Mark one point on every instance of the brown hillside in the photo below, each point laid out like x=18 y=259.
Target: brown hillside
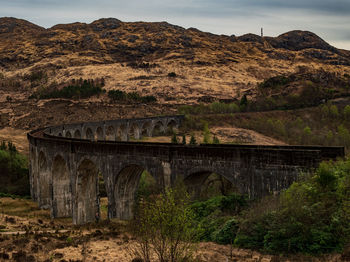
x=138 y=56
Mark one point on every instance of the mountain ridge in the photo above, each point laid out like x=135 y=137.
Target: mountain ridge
x=109 y=40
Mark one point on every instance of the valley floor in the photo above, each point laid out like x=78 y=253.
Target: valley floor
x=28 y=234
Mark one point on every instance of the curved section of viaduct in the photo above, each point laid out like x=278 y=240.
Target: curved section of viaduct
x=66 y=163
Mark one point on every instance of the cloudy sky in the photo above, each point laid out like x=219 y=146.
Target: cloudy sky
x=330 y=19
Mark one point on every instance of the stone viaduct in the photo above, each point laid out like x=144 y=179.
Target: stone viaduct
x=66 y=163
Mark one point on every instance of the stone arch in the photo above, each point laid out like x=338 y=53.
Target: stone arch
x=99 y=133
x=172 y=126
x=146 y=129
x=125 y=188
x=134 y=131
x=87 y=201
x=68 y=134
x=198 y=181
x=110 y=133
x=77 y=134
x=89 y=134
x=61 y=188
x=158 y=129
x=44 y=182
x=121 y=134
x=60 y=134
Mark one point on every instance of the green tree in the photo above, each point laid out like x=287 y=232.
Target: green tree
x=206 y=134
x=329 y=137
x=193 y=140
x=346 y=112
x=343 y=136
x=183 y=140
x=243 y=103
x=312 y=216
x=166 y=225
x=174 y=138
x=333 y=111
x=216 y=140
x=306 y=135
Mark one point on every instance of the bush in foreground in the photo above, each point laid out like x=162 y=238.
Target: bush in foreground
x=313 y=216
x=165 y=225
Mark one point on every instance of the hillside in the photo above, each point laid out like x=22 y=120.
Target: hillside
x=138 y=56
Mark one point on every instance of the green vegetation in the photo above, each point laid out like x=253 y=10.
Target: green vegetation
x=213 y=108
x=216 y=140
x=183 y=140
x=117 y=95
x=147 y=186
x=174 y=138
x=14 y=174
x=312 y=216
x=193 y=140
x=165 y=224
x=216 y=217
x=206 y=134
x=326 y=125
x=77 y=89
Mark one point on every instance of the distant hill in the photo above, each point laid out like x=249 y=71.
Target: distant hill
x=138 y=56
x=111 y=40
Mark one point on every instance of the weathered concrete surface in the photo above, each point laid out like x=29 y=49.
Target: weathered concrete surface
x=64 y=171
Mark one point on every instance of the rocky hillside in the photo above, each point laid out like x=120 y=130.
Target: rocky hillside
x=139 y=56
x=111 y=40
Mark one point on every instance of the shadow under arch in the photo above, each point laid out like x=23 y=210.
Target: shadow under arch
x=44 y=182
x=205 y=183
x=146 y=129
x=134 y=131
x=99 y=133
x=68 y=134
x=121 y=134
x=158 y=129
x=86 y=191
x=61 y=189
x=110 y=133
x=77 y=134
x=125 y=189
x=171 y=127
x=89 y=134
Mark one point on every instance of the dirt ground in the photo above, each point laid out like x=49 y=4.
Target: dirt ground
x=28 y=234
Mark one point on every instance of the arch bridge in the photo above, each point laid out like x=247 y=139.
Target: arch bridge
x=67 y=161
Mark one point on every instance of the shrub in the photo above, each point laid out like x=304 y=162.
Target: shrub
x=206 y=134
x=14 y=174
x=214 y=215
x=346 y=112
x=333 y=111
x=227 y=233
x=117 y=95
x=166 y=225
x=193 y=140
x=172 y=74
x=82 y=89
x=313 y=215
x=174 y=138
x=183 y=140
x=216 y=140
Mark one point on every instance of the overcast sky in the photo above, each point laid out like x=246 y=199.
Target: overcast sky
x=330 y=19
